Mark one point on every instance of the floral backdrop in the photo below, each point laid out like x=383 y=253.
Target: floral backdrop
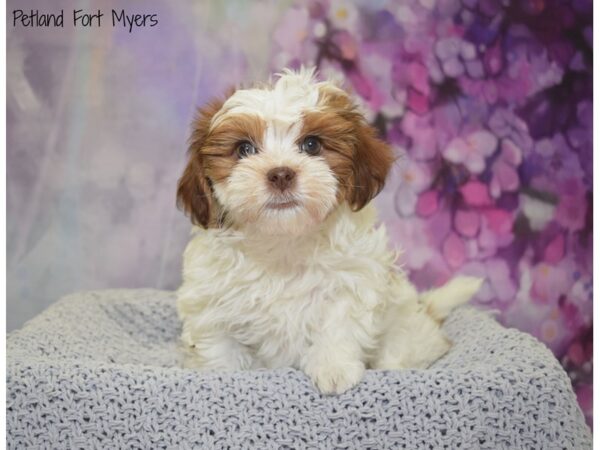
x=488 y=104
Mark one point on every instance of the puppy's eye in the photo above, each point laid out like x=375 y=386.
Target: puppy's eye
x=311 y=145
x=245 y=149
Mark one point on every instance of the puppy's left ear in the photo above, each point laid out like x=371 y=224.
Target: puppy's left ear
x=373 y=159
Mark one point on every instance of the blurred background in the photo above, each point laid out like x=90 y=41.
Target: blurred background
x=488 y=101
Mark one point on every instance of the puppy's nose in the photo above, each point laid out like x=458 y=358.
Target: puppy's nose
x=281 y=177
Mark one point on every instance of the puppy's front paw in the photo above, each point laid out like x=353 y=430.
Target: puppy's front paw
x=335 y=379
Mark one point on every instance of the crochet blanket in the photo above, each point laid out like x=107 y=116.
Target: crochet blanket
x=100 y=370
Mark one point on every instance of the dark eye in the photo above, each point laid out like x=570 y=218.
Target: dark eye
x=245 y=149
x=311 y=145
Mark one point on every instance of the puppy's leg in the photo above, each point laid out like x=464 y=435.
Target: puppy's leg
x=335 y=361
x=413 y=340
x=413 y=337
x=218 y=351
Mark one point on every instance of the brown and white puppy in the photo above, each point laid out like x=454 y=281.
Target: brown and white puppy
x=286 y=266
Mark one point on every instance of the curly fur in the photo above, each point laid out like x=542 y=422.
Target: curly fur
x=314 y=285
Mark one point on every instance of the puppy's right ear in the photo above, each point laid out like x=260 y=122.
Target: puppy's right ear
x=194 y=191
x=194 y=195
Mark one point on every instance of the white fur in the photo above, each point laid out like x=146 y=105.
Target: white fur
x=292 y=94
x=245 y=193
x=312 y=287
x=330 y=303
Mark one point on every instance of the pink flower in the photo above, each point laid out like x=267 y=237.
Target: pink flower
x=413 y=179
x=454 y=251
x=506 y=125
x=346 y=44
x=500 y=280
x=472 y=150
x=493 y=60
x=549 y=283
x=572 y=205
x=449 y=50
x=421 y=241
x=417 y=77
x=498 y=220
x=467 y=223
x=484 y=230
x=371 y=85
x=504 y=169
x=555 y=250
x=498 y=284
x=495 y=232
x=521 y=80
x=434 y=272
x=410 y=235
x=386 y=97
x=413 y=76
x=422 y=133
x=427 y=204
x=417 y=101
x=555 y=161
x=475 y=193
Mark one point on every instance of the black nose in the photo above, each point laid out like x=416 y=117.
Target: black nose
x=281 y=177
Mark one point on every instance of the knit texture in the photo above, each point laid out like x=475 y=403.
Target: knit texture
x=100 y=370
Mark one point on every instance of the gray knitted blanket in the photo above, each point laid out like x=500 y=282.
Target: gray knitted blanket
x=99 y=370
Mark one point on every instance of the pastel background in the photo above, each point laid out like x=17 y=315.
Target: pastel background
x=489 y=103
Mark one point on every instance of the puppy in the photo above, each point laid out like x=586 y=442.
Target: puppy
x=286 y=267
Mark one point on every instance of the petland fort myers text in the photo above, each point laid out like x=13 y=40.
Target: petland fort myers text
x=81 y=18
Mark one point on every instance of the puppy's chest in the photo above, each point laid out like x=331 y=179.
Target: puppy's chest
x=278 y=306
x=286 y=292
x=279 y=312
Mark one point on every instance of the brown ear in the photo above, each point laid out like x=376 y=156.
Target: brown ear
x=194 y=196
x=373 y=159
x=194 y=193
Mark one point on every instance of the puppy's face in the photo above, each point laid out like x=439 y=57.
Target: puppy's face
x=279 y=159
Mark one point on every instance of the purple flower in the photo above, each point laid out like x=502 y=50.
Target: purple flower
x=467 y=222
x=549 y=283
x=504 y=169
x=448 y=50
x=572 y=206
x=413 y=178
x=498 y=284
x=554 y=161
x=475 y=193
x=505 y=124
x=420 y=130
x=472 y=150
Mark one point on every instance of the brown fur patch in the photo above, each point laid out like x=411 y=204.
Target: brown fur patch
x=338 y=142
x=219 y=149
x=359 y=159
x=372 y=162
x=211 y=157
x=194 y=194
